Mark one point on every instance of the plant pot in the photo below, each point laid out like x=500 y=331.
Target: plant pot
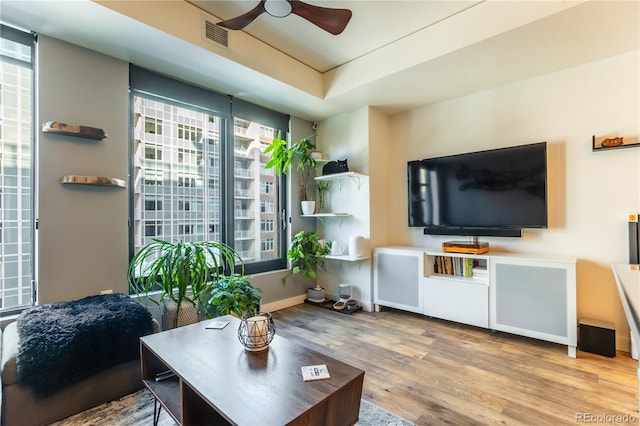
x=188 y=314
x=308 y=207
x=315 y=294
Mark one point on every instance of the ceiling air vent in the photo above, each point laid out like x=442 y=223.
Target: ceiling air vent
x=216 y=34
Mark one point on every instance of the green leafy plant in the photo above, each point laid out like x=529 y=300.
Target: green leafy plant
x=282 y=158
x=307 y=251
x=234 y=294
x=323 y=187
x=181 y=271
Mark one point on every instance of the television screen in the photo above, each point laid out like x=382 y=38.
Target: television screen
x=480 y=193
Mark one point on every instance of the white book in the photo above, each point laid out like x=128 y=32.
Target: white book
x=315 y=372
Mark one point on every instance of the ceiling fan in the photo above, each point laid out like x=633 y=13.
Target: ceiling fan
x=331 y=20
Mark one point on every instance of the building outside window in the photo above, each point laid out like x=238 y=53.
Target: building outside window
x=17 y=183
x=266 y=225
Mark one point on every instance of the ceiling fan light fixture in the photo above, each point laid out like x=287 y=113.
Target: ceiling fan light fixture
x=331 y=20
x=278 y=8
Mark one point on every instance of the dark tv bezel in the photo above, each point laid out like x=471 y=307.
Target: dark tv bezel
x=488 y=231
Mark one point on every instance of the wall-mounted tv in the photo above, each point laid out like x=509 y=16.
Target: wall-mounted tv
x=494 y=192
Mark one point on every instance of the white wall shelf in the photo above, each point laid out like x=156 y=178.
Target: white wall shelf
x=322 y=216
x=338 y=177
x=346 y=258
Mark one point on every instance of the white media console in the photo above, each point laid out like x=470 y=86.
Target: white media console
x=528 y=296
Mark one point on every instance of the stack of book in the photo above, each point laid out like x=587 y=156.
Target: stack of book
x=480 y=273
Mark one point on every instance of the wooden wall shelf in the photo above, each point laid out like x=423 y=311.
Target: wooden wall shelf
x=73 y=130
x=601 y=143
x=93 y=180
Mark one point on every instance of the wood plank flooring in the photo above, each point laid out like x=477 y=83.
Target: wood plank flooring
x=435 y=372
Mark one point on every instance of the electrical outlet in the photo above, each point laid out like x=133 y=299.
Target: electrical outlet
x=110 y=291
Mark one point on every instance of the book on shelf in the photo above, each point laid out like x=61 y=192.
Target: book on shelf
x=456 y=266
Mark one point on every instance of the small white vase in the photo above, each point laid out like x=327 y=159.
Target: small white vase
x=308 y=207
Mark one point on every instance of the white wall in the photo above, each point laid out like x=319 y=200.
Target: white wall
x=82 y=237
x=361 y=137
x=590 y=193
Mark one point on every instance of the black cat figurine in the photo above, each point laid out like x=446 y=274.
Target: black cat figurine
x=339 y=166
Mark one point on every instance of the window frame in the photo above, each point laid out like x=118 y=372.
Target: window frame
x=149 y=85
x=28 y=39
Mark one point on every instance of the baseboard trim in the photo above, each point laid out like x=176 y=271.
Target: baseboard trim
x=284 y=303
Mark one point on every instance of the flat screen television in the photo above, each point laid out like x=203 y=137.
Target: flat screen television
x=495 y=192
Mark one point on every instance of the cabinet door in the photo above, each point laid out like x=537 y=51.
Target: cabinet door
x=396 y=279
x=457 y=300
x=534 y=298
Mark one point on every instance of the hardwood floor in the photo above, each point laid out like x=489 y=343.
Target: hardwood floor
x=435 y=372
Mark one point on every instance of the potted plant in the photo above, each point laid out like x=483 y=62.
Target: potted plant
x=300 y=153
x=233 y=294
x=307 y=251
x=183 y=272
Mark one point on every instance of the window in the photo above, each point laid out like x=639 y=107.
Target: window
x=266 y=187
x=190 y=133
x=153 y=126
x=151 y=204
x=17 y=185
x=152 y=152
x=210 y=164
x=266 y=206
x=153 y=177
x=152 y=229
x=266 y=244
x=266 y=225
x=265 y=171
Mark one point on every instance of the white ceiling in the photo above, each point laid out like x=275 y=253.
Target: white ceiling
x=393 y=55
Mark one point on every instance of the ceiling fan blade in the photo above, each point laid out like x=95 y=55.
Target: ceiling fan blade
x=329 y=19
x=239 y=22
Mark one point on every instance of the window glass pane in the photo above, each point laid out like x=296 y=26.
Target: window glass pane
x=16 y=138
x=255 y=193
x=175 y=194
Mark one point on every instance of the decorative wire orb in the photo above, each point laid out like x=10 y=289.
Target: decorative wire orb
x=256 y=331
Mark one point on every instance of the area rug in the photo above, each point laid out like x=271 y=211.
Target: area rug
x=137 y=410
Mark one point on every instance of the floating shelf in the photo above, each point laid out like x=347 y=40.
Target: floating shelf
x=355 y=177
x=73 y=130
x=322 y=216
x=600 y=143
x=345 y=257
x=327 y=215
x=93 y=180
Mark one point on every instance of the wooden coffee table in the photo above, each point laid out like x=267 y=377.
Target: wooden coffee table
x=216 y=381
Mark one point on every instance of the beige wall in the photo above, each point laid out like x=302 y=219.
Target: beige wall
x=83 y=240
x=82 y=236
x=590 y=193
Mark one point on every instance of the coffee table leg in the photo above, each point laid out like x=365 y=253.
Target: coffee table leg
x=156 y=412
